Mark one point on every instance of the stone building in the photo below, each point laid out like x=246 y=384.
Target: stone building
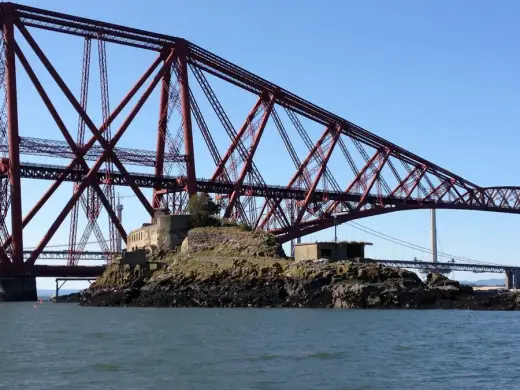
x=333 y=251
x=165 y=233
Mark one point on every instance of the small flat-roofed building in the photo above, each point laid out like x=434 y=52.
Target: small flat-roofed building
x=333 y=251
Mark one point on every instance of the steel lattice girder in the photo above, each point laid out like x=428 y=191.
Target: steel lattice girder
x=91 y=179
x=177 y=184
x=213 y=64
x=64 y=255
x=487 y=199
x=60 y=149
x=452 y=192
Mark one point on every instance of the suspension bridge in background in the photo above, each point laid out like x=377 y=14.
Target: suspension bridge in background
x=340 y=171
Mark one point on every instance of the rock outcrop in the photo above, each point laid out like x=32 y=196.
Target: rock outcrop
x=229 y=267
x=68 y=298
x=247 y=283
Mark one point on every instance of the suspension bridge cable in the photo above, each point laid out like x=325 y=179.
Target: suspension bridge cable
x=416 y=247
x=411 y=245
x=392 y=240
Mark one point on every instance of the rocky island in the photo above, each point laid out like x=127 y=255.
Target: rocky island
x=232 y=267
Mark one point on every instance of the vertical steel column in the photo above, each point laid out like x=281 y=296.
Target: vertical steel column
x=13 y=136
x=119 y=241
x=182 y=60
x=161 y=134
x=434 y=235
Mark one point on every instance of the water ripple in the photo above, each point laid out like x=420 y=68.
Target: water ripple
x=64 y=346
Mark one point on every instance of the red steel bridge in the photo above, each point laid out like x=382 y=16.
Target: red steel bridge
x=313 y=169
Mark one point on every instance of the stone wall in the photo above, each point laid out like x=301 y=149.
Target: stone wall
x=164 y=235
x=232 y=241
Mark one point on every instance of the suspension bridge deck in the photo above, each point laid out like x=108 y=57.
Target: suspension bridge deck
x=477 y=268
x=88 y=271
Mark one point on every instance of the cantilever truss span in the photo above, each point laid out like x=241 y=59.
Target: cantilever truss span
x=272 y=159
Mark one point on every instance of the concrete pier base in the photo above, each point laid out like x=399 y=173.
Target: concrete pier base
x=512 y=280
x=18 y=289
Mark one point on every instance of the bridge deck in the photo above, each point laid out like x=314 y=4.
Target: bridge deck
x=452 y=266
x=64 y=255
x=177 y=184
x=64 y=271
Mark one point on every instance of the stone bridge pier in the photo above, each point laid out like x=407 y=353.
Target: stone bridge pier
x=18 y=289
x=17 y=286
x=512 y=279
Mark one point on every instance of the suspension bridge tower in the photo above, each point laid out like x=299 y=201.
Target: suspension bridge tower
x=433 y=220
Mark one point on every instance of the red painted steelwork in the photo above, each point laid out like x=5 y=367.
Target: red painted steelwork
x=97 y=134
x=247 y=164
x=238 y=136
x=161 y=134
x=80 y=140
x=93 y=171
x=498 y=199
x=12 y=133
x=393 y=179
x=312 y=188
x=88 y=146
x=299 y=173
x=62 y=128
x=182 y=58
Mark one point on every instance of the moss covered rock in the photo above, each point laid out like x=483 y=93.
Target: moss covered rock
x=231 y=241
x=229 y=267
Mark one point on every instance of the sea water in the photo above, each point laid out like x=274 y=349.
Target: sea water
x=65 y=346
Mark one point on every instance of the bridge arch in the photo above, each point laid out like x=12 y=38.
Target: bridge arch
x=491 y=199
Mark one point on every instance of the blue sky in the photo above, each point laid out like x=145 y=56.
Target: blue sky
x=438 y=78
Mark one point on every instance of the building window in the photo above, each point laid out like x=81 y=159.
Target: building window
x=324 y=252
